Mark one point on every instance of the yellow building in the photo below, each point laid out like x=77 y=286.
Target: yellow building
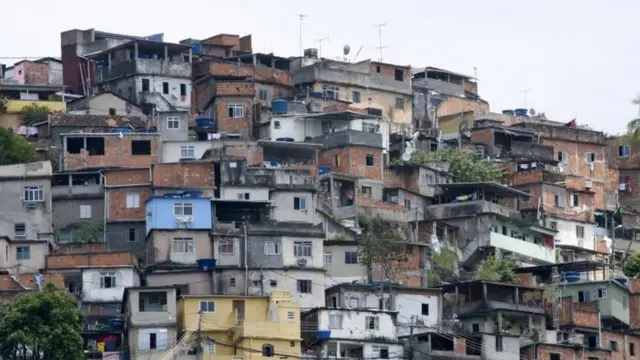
x=11 y=110
x=242 y=327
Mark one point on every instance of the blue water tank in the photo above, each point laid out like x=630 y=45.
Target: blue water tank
x=323 y=335
x=116 y=324
x=317 y=94
x=122 y=130
x=572 y=276
x=196 y=48
x=508 y=112
x=279 y=106
x=324 y=170
x=206 y=264
x=521 y=112
x=204 y=123
x=285 y=139
x=622 y=281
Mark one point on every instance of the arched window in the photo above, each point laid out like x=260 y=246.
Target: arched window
x=267 y=350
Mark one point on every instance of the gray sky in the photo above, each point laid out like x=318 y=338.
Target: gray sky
x=578 y=58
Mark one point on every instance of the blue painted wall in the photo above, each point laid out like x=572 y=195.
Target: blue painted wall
x=160 y=211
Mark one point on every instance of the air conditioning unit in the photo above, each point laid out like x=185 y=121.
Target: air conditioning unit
x=622 y=187
x=576 y=339
x=588 y=183
x=32 y=205
x=302 y=262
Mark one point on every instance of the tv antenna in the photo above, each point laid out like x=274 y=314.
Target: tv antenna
x=524 y=93
x=320 y=41
x=380 y=47
x=302 y=17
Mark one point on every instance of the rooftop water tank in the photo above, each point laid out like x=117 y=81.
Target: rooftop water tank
x=317 y=94
x=521 y=112
x=116 y=324
x=324 y=170
x=204 y=123
x=508 y=112
x=124 y=130
x=323 y=335
x=206 y=264
x=572 y=276
x=285 y=139
x=622 y=281
x=279 y=106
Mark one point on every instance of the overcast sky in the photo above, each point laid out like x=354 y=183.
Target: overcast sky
x=577 y=58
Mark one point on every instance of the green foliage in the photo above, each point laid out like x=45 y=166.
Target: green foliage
x=444 y=266
x=498 y=270
x=41 y=325
x=384 y=244
x=631 y=267
x=463 y=166
x=84 y=234
x=53 y=155
x=33 y=114
x=15 y=149
x=339 y=237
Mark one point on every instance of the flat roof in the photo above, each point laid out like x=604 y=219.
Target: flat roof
x=341 y=115
x=493 y=187
x=476 y=282
x=579 y=266
x=287 y=144
x=148 y=44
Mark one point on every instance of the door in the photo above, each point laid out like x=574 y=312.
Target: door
x=238 y=307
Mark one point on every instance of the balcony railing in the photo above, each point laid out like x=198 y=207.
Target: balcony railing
x=525 y=150
x=523 y=248
x=266 y=329
x=142 y=66
x=69 y=191
x=468 y=209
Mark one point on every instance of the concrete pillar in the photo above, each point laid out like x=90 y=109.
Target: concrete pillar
x=166 y=53
x=135 y=51
x=109 y=59
x=190 y=56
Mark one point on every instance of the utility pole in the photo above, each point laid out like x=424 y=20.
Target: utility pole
x=380 y=47
x=320 y=41
x=524 y=93
x=301 y=16
x=199 y=335
x=411 y=340
x=261 y=282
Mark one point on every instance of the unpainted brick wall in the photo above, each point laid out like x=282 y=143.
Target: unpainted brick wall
x=117 y=152
x=353 y=161
x=183 y=175
x=455 y=105
x=229 y=124
x=85 y=260
x=66 y=249
x=117 y=204
x=577 y=163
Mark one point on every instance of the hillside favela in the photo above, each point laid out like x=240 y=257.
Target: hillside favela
x=206 y=200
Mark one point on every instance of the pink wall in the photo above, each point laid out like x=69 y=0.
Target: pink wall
x=19 y=73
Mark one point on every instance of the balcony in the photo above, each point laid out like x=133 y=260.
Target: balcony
x=293 y=179
x=353 y=74
x=525 y=150
x=152 y=318
x=266 y=329
x=476 y=307
x=142 y=67
x=469 y=209
x=524 y=248
x=61 y=192
x=535 y=176
x=348 y=137
x=16 y=106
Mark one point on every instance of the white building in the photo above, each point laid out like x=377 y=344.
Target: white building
x=414 y=305
x=351 y=333
x=108 y=284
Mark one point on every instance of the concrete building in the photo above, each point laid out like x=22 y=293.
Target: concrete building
x=26 y=216
x=258 y=326
x=45 y=71
x=106 y=104
x=352 y=333
x=150 y=321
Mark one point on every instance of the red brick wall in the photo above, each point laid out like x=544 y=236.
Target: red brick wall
x=128 y=177
x=183 y=175
x=567 y=212
x=117 y=204
x=84 y=260
x=389 y=71
x=353 y=161
x=566 y=353
x=482 y=136
x=233 y=125
x=577 y=163
x=117 y=152
x=234 y=88
x=36 y=73
x=259 y=73
x=455 y=105
x=66 y=249
x=460 y=345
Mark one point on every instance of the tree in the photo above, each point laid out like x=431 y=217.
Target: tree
x=41 y=325
x=33 y=114
x=15 y=149
x=444 y=266
x=464 y=166
x=631 y=267
x=384 y=244
x=498 y=270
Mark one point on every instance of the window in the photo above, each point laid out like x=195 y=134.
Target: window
x=263 y=94
x=336 y=160
x=187 y=152
x=370 y=160
x=291 y=315
x=107 y=280
x=558 y=200
x=331 y=92
x=232 y=282
x=475 y=327
x=272 y=248
x=236 y=111
x=145 y=85
x=351 y=257
x=602 y=293
x=183 y=245
x=575 y=200
x=366 y=191
x=226 y=247
x=183 y=91
x=624 y=151
x=614 y=345
x=152 y=339
x=19 y=230
x=554 y=356
x=140 y=147
x=173 y=122
x=33 y=194
x=112 y=111
x=355 y=97
x=133 y=201
x=580 y=231
x=553 y=225
x=563 y=157
x=132 y=235
x=399 y=75
x=328 y=258
x=370 y=127
x=399 y=103
x=273 y=283
x=23 y=253
x=583 y=296
x=381 y=352
x=276 y=124
x=632 y=349
x=428 y=179
x=300 y=203
x=267 y=350
x=372 y=323
x=244 y=196
x=165 y=87
x=85 y=211
x=425 y=309
x=590 y=156
x=183 y=209
x=407 y=203
x=302 y=248
x=499 y=346
x=209 y=347
x=304 y=286
x=378 y=69
x=207 y=306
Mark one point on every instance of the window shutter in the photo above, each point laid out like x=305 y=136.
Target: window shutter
x=143 y=339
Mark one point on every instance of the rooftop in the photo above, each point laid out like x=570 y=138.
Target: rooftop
x=341 y=115
x=484 y=187
x=579 y=266
x=60 y=119
x=147 y=44
x=449 y=287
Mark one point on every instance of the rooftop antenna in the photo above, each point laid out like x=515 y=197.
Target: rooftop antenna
x=320 y=41
x=301 y=16
x=524 y=93
x=380 y=47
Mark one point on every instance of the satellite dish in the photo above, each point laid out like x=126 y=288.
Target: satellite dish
x=532 y=112
x=346 y=49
